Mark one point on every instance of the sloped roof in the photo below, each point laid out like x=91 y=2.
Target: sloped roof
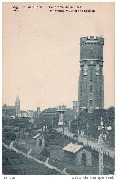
x=38 y=135
x=72 y=147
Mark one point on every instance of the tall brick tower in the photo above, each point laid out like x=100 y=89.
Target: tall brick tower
x=91 y=80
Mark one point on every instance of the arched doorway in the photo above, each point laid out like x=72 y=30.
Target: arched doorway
x=84 y=159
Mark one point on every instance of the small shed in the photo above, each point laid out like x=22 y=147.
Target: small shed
x=77 y=154
x=39 y=140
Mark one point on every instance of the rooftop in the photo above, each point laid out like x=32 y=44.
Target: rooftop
x=38 y=135
x=72 y=147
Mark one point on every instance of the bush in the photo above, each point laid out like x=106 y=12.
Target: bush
x=45 y=153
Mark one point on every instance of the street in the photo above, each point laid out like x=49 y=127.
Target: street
x=87 y=141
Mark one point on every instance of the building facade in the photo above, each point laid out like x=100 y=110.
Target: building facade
x=8 y=111
x=91 y=80
x=75 y=106
x=30 y=113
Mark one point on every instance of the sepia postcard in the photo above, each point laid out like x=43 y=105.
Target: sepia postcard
x=58 y=89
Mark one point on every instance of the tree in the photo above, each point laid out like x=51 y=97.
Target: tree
x=89 y=122
x=9 y=135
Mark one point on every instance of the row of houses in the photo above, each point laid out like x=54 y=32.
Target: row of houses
x=9 y=112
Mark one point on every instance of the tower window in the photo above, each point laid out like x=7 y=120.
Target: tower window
x=91 y=103
x=85 y=69
x=97 y=69
x=81 y=89
x=91 y=89
x=92 y=53
x=91 y=71
x=81 y=102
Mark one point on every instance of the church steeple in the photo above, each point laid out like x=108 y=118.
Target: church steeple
x=17 y=105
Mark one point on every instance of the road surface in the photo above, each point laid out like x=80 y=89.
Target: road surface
x=87 y=141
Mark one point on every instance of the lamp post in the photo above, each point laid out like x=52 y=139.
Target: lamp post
x=45 y=132
x=77 y=132
x=76 y=119
x=100 y=142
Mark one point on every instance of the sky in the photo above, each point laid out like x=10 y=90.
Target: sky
x=41 y=53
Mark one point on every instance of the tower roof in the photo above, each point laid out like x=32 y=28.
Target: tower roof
x=92 y=39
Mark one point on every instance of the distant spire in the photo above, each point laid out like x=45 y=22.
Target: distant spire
x=17 y=95
x=17 y=104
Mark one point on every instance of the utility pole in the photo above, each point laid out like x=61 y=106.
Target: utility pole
x=63 y=122
x=87 y=127
x=101 y=142
x=45 y=132
x=76 y=117
x=77 y=132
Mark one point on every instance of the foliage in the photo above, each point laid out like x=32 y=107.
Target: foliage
x=45 y=153
x=9 y=135
x=89 y=122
